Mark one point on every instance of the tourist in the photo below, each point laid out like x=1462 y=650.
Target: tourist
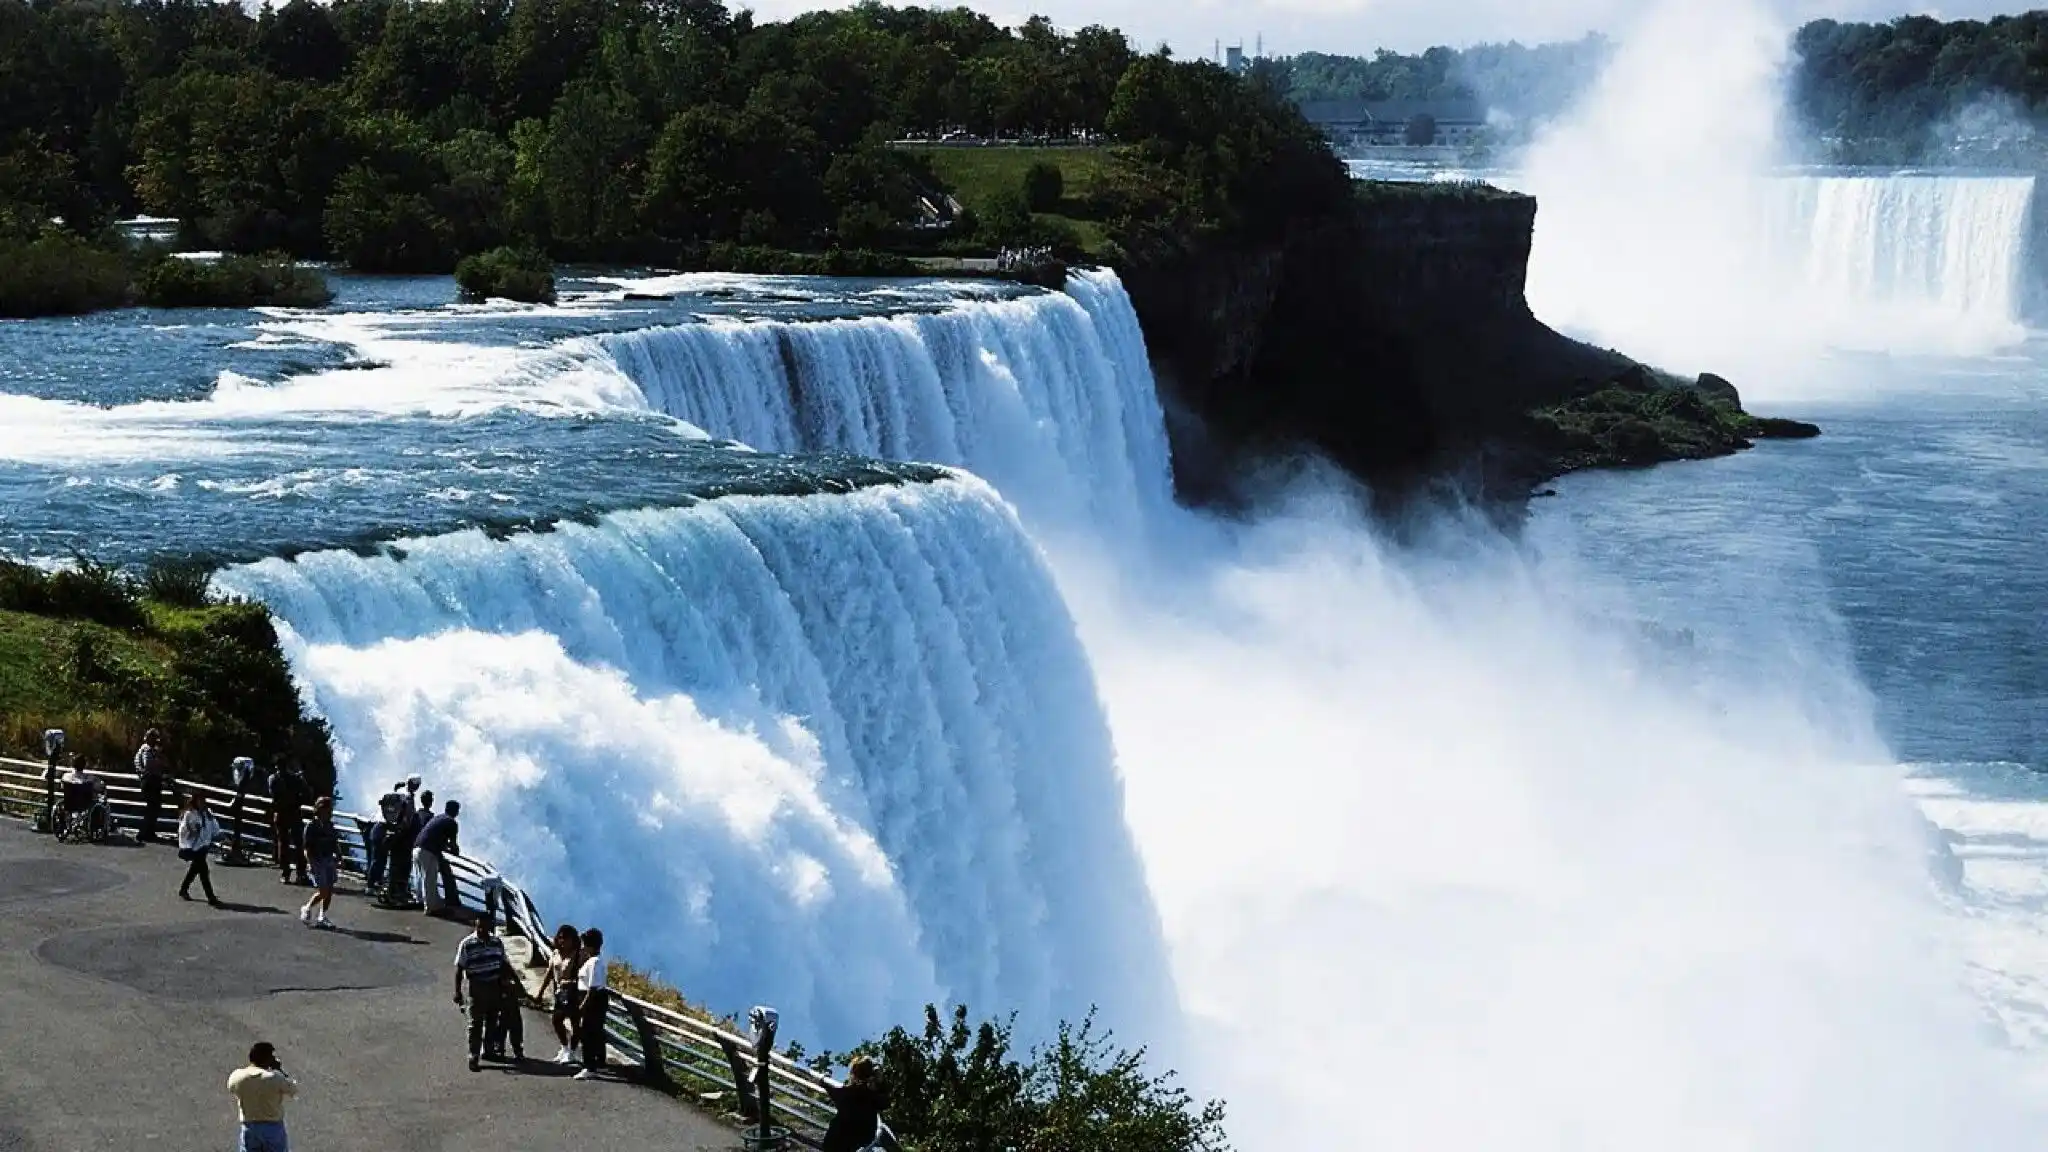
x=197 y=830
x=481 y=959
x=390 y=814
x=438 y=840
x=80 y=793
x=398 y=843
x=259 y=1091
x=561 y=980
x=594 y=1003
x=323 y=857
x=508 y=1022
x=149 y=771
x=53 y=754
x=859 y=1103
x=288 y=796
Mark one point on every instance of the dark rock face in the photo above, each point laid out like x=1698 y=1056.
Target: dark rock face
x=1396 y=340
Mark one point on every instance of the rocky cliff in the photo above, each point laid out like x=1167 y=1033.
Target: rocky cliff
x=1395 y=338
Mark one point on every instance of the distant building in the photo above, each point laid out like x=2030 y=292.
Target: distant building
x=1233 y=59
x=1383 y=123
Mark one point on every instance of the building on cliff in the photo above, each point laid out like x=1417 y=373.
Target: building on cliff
x=1353 y=124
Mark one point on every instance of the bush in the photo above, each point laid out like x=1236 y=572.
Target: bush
x=232 y=282
x=958 y=1089
x=85 y=591
x=180 y=584
x=1045 y=187
x=523 y=274
x=58 y=274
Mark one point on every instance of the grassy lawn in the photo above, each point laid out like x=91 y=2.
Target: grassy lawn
x=977 y=175
x=38 y=689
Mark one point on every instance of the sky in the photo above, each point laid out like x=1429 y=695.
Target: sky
x=1193 y=27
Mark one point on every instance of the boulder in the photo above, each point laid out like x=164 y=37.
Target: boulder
x=1719 y=390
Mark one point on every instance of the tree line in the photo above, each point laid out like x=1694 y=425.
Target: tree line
x=1918 y=89
x=401 y=135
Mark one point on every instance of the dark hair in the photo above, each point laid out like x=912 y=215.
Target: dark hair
x=486 y=923
x=568 y=930
x=262 y=1054
x=453 y=807
x=861 y=1070
x=593 y=940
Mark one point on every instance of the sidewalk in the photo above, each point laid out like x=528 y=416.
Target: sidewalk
x=126 y=1008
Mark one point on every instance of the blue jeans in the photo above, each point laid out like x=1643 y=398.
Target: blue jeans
x=265 y=1137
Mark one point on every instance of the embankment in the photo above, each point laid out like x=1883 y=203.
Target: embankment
x=1395 y=337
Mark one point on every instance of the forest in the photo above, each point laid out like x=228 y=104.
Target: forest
x=403 y=135
x=1918 y=90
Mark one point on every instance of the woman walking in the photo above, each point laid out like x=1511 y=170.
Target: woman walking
x=561 y=979
x=595 y=1004
x=197 y=830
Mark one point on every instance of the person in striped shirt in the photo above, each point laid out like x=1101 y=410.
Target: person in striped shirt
x=481 y=960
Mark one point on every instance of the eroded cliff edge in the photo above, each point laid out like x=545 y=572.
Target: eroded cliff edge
x=1395 y=338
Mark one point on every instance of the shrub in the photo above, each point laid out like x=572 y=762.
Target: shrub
x=523 y=274
x=955 y=1088
x=180 y=584
x=1045 y=187
x=58 y=274
x=85 y=591
x=232 y=282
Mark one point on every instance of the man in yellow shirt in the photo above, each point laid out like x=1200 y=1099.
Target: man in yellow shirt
x=259 y=1091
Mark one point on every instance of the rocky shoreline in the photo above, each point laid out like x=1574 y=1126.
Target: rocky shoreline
x=1395 y=339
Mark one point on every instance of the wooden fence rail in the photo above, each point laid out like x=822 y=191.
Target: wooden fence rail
x=704 y=1059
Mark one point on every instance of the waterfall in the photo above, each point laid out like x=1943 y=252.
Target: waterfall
x=1946 y=246
x=839 y=753
x=1744 y=273
x=1050 y=395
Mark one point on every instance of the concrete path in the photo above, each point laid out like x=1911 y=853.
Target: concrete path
x=123 y=1009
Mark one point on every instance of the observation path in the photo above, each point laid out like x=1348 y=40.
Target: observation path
x=125 y=1008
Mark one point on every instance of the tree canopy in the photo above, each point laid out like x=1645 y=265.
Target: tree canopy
x=1917 y=89
x=401 y=135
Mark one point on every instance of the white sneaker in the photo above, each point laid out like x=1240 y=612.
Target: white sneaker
x=323 y=922
x=586 y=1074
x=562 y=1055
x=306 y=915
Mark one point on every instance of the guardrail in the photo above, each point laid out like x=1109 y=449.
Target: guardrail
x=674 y=1051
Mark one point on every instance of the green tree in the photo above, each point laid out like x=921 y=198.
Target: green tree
x=1045 y=186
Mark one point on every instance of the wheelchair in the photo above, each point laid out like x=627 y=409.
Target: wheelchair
x=80 y=821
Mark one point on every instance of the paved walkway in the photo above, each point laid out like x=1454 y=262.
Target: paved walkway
x=125 y=1008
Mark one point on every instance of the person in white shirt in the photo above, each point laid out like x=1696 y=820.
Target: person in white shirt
x=197 y=830
x=596 y=996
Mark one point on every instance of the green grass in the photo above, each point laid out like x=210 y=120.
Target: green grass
x=38 y=687
x=978 y=175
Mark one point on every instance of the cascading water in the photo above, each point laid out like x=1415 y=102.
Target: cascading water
x=1050 y=396
x=840 y=753
x=1953 y=246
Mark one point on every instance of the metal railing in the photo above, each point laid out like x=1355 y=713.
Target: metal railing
x=673 y=1050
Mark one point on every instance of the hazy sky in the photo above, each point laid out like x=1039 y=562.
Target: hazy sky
x=1357 y=26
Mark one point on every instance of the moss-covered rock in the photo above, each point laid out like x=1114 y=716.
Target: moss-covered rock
x=1644 y=417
